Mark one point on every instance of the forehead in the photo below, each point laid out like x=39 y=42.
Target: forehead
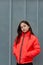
x=22 y=24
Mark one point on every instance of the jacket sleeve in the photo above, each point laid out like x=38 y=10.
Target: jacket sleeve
x=36 y=49
x=14 y=47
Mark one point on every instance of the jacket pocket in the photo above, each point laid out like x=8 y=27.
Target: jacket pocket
x=27 y=58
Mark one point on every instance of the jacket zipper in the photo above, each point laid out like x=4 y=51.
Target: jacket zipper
x=21 y=49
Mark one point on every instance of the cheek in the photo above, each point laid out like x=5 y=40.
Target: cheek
x=27 y=28
x=22 y=29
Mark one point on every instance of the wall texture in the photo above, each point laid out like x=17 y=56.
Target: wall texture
x=11 y=13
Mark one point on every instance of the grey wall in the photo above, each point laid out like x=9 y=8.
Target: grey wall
x=40 y=29
x=11 y=13
x=32 y=11
x=4 y=32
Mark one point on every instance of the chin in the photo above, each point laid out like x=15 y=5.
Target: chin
x=24 y=31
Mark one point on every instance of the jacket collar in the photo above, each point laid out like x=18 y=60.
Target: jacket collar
x=28 y=33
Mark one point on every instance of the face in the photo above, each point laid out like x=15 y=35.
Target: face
x=24 y=27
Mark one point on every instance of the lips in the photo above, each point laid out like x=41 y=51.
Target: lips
x=23 y=29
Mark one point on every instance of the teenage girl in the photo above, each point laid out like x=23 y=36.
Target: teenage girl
x=26 y=45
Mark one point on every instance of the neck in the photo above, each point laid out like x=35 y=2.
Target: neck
x=26 y=33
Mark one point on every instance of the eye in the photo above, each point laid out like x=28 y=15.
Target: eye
x=21 y=26
x=24 y=25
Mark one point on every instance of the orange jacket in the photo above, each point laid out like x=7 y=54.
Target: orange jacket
x=27 y=48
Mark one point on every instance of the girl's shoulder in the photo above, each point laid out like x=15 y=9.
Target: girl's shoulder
x=34 y=37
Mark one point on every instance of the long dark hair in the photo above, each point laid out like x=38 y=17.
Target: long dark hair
x=19 y=31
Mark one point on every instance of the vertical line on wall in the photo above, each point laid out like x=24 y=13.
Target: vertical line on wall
x=25 y=9
x=37 y=17
x=10 y=33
